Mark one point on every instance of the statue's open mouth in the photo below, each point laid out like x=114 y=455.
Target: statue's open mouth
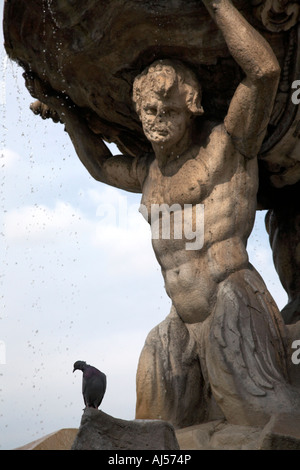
x=162 y=132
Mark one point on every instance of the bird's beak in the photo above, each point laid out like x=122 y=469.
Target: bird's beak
x=74 y=370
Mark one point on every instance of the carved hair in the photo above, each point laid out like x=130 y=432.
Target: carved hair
x=162 y=77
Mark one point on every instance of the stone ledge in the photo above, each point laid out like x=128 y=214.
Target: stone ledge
x=58 y=440
x=281 y=433
x=100 y=431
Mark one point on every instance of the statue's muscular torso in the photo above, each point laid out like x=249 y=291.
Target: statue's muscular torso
x=216 y=175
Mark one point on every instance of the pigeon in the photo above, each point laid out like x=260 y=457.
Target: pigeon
x=93 y=384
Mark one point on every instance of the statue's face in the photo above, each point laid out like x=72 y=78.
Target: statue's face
x=165 y=121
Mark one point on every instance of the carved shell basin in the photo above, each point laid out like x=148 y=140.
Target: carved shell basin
x=91 y=51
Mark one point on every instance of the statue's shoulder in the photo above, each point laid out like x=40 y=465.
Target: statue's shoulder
x=142 y=166
x=212 y=131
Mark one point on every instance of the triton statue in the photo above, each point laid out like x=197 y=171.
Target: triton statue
x=221 y=352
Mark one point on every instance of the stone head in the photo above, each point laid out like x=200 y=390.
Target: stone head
x=166 y=95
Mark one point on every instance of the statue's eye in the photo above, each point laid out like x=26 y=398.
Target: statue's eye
x=171 y=111
x=150 y=110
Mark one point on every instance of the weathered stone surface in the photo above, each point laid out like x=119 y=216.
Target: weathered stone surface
x=100 y=431
x=283 y=226
x=59 y=440
x=218 y=435
x=92 y=54
x=292 y=341
x=171 y=354
x=281 y=433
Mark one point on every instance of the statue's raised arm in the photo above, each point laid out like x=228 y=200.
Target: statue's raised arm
x=252 y=103
x=120 y=171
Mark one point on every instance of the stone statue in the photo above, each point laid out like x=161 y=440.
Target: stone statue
x=221 y=352
x=221 y=298
x=224 y=353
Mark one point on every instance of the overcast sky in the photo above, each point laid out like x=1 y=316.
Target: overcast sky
x=79 y=280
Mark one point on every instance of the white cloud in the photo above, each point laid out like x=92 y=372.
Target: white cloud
x=40 y=222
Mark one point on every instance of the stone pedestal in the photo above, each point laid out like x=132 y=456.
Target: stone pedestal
x=99 y=431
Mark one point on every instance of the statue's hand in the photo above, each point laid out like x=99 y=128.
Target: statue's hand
x=44 y=111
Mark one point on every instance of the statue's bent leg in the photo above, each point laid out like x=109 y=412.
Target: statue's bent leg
x=245 y=352
x=170 y=385
x=283 y=226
